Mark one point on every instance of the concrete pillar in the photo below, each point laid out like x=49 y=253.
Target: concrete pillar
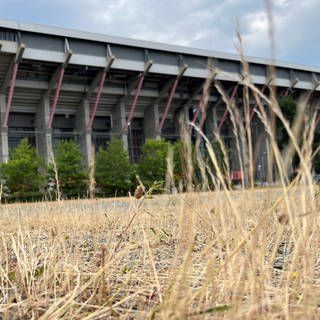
x=4 y=147
x=181 y=118
x=84 y=134
x=151 y=122
x=244 y=152
x=186 y=116
x=118 y=123
x=234 y=154
x=260 y=151
x=44 y=135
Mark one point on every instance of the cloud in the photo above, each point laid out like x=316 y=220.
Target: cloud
x=296 y=38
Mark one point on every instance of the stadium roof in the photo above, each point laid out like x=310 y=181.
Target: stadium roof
x=97 y=37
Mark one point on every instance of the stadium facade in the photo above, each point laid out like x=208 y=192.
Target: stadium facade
x=66 y=84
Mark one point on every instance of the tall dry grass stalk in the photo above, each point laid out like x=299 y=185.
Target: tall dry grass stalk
x=56 y=177
x=92 y=167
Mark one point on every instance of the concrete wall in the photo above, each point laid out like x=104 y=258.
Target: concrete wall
x=4 y=149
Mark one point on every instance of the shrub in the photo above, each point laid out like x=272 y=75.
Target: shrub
x=181 y=164
x=114 y=174
x=216 y=147
x=152 y=165
x=22 y=173
x=73 y=175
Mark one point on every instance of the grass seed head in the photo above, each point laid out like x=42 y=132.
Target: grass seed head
x=283 y=218
x=139 y=192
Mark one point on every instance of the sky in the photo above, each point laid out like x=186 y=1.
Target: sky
x=204 y=24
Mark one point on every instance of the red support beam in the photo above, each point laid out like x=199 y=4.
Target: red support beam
x=234 y=91
x=166 y=109
x=195 y=116
x=12 y=85
x=134 y=102
x=287 y=92
x=97 y=100
x=256 y=104
x=56 y=97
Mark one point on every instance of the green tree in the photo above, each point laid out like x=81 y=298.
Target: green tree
x=114 y=173
x=22 y=172
x=288 y=106
x=73 y=175
x=152 y=165
x=180 y=164
x=216 y=147
x=316 y=142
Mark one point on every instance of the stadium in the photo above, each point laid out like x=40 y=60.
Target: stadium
x=66 y=84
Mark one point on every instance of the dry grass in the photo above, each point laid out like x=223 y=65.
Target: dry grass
x=185 y=256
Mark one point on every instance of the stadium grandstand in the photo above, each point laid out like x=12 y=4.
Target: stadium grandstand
x=66 y=84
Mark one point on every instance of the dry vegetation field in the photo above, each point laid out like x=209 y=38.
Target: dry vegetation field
x=222 y=255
